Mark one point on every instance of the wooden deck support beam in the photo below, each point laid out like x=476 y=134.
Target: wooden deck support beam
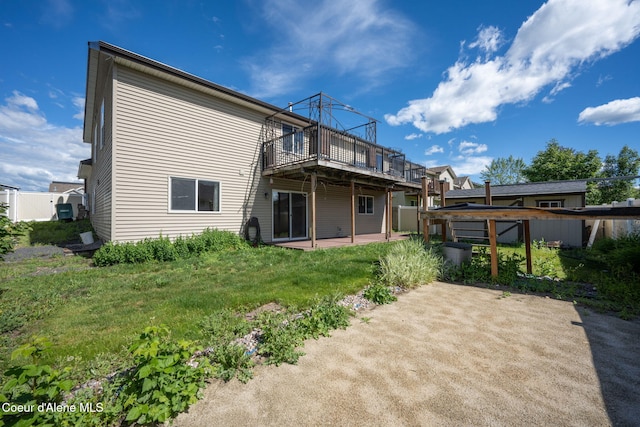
x=314 y=183
x=353 y=211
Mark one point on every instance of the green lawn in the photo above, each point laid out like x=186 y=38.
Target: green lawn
x=87 y=311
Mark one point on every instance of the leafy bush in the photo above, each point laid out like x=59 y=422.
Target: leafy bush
x=31 y=385
x=9 y=232
x=478 y=270
x=324 y=316
x=278 y=340
x=222 y=327
x=379 y=294
x=409 y=264
x=231 y=360
x=162 y=249
x=165 y=379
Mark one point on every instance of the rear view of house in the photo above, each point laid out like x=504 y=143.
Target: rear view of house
x=173 y=154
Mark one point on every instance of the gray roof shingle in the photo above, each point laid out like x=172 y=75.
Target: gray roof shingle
x=528 y=189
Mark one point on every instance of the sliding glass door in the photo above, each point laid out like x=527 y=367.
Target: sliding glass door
x=289 y=215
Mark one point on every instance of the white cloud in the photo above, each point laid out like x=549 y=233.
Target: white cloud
x=329 y=37
x=612 y=113
x=549 y=46
x=464 y=166
x=489 y=39
x=433 y=150
x=34 y=151
x=469 y=148
x=413 y=136
x=78 y=102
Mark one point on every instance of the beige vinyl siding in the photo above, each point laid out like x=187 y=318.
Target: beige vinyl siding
x=165 y=130
x=101 y=169
x=333 y=208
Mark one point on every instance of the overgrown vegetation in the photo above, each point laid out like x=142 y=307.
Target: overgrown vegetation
x=162 y=249
x=213 y=281
x=605 y=277
x=408 y=264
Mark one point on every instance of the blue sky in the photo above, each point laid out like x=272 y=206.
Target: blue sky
x=451 y=82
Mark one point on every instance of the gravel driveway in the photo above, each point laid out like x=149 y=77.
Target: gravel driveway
x=447 y=355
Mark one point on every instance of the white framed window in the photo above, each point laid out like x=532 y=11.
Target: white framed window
x=292 y=139
x=549 y=203
x=365 y=205
x=193 y=195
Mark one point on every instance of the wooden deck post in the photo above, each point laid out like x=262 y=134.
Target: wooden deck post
x=443 y=203
x=487 y=193
x=353 y=211
x=494 y=248
x=314 y=182
x=425 y=207
x=527 y=245
x=389 y=213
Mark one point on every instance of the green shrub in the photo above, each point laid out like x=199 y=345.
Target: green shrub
x=478 y=270
x=9 y=232
x=222 y=327
x=409 y=264
x=279 y=341
x=231 y=360
x=324 y=316
x=379 y=294
x=165 y=380
x=32 y=384
x=162 y=249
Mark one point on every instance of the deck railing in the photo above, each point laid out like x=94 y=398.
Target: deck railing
x=317 y=142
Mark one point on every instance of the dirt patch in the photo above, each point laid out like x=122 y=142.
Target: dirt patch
x=448 y=354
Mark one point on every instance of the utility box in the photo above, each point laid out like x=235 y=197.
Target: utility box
x=457 y=253
x=64 y=211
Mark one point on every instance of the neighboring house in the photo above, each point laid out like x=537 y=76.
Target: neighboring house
x=463 y=183
x=66 y=187
x=552 y=194
x=173 y=154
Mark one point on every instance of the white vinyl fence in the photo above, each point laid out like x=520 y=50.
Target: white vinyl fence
x=36 y=206
x=614 y=228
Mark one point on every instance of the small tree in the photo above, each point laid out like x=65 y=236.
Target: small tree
x=504 y=170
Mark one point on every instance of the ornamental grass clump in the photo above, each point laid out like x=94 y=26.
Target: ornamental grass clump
x=409 y=264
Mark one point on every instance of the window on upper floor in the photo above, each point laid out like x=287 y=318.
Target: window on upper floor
x=194 y=195
x=292 y=139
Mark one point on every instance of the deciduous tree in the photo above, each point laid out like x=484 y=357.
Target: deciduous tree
x=626 y=164
x=504 y=170
x=558 y=163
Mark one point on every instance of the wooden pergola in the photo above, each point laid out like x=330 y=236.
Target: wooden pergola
x=491 y=214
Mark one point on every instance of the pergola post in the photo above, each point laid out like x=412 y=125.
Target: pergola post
x=487 y=193
x=443 y=203
x=425 y=207
x=494 y=248
x=527 y=245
